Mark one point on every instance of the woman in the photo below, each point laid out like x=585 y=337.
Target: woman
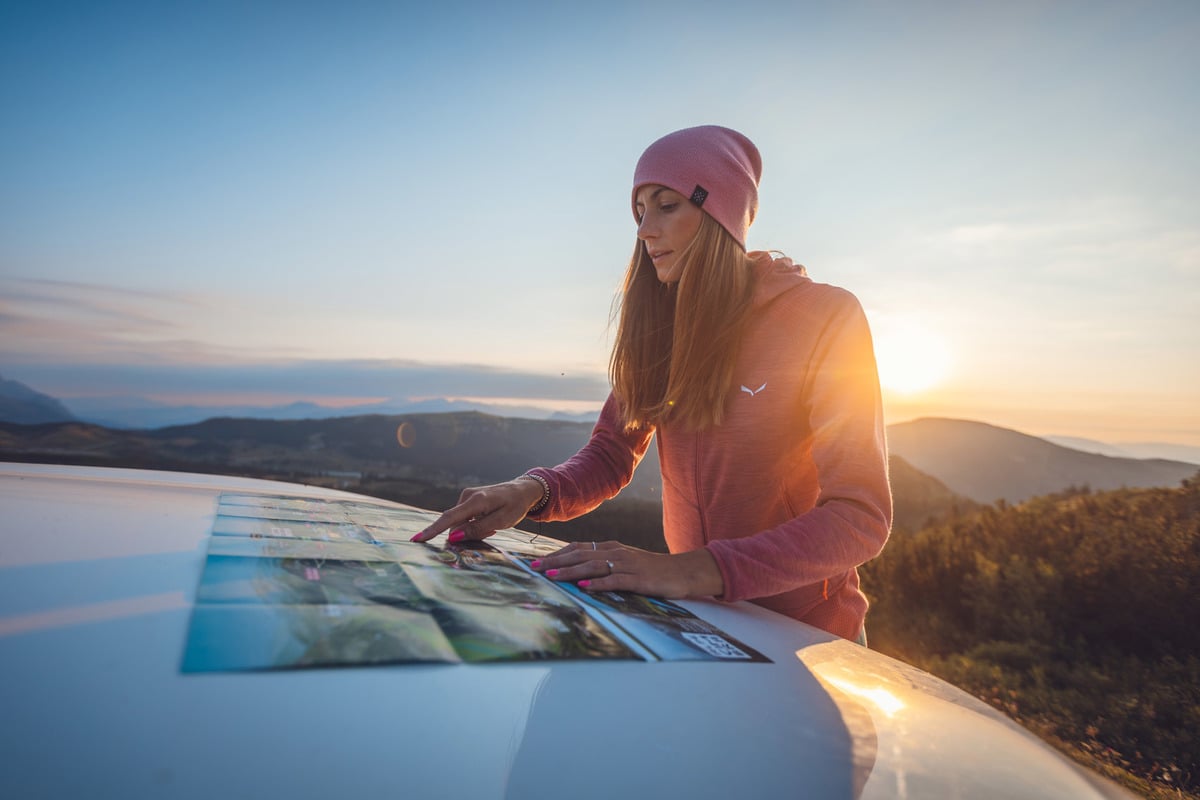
x=761 y=388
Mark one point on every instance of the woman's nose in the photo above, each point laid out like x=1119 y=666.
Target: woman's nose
x=646 y=230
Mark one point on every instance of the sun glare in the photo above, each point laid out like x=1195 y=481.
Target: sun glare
x=911 y=357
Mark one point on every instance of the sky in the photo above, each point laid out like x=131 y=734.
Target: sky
x=257 y=202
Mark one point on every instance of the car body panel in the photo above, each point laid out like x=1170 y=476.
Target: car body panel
x=99 y=570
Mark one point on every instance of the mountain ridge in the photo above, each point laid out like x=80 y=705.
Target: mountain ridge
x=1144 y=450
x=21 y=404
x=422 y=459
x=975 y=460
x=988 y=463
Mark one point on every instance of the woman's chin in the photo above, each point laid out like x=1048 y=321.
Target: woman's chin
x=667 y=273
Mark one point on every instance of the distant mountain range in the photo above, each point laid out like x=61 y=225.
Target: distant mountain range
x=1172 y=452
x=421 y=458
x=20 y=403
x=980 y=462
x=461 y=448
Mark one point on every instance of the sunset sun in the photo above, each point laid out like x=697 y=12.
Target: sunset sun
x=911 y=357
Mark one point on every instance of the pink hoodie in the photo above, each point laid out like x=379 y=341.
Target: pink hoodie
x=790 y=493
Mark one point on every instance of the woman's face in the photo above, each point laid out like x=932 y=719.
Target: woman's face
x=668 y=223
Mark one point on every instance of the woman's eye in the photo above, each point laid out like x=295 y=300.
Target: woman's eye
x=667 y=208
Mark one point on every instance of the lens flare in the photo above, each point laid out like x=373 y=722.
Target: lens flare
x=406 y=434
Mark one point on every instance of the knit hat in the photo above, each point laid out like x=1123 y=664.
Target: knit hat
x=718 y=169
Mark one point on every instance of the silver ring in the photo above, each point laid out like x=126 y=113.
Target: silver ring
x=593 y=545
x=610 y=567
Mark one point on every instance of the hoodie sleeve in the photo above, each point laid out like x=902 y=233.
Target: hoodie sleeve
x=601 y=469
x=851 y=518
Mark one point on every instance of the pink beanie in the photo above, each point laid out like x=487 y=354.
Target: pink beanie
x=717 y=168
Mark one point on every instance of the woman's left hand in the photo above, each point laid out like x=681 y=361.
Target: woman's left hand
x=612 y=566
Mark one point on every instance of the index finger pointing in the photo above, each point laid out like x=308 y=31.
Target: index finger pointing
x=450 y=518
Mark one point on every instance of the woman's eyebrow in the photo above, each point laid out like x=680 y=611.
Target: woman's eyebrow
x=653 y=195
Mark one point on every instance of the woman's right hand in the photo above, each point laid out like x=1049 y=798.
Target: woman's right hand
x=483 y=510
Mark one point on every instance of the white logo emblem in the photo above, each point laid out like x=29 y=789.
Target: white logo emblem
x=753 y=392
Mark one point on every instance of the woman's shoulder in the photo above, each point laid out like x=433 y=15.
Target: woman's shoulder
x=784 y=283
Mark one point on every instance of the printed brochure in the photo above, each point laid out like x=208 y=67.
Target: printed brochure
x=294 y=582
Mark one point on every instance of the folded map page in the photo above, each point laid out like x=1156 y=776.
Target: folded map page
x=295 y=582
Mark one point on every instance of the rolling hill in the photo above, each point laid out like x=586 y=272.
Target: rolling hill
x=937 y=464
x=987 y=463
x=464 y=448
x=440 y=454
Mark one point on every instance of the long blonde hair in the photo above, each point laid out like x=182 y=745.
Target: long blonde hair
x=677 y=343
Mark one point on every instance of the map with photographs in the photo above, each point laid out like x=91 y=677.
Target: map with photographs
x=296 y=582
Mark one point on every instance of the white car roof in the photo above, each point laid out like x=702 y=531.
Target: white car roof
x=99 y=570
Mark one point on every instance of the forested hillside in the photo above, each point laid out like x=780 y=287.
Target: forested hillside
x=1075 y=613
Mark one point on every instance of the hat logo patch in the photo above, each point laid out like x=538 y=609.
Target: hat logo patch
x=699 y=195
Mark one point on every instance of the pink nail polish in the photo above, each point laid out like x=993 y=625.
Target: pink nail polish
x=583 y=584
x=456 y=536
x=537 y=562
x=550 y=573
x=417 y=536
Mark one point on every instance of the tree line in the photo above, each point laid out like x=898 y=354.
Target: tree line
x=1074 y=613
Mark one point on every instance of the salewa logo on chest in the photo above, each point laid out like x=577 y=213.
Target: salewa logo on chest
x=753 y=392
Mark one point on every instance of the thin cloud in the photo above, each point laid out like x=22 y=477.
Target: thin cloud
x=65 y=323
x=1115 y=236
x=125 y=307
x=314 y=381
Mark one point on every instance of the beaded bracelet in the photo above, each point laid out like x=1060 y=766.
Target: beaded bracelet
x=545 y=492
